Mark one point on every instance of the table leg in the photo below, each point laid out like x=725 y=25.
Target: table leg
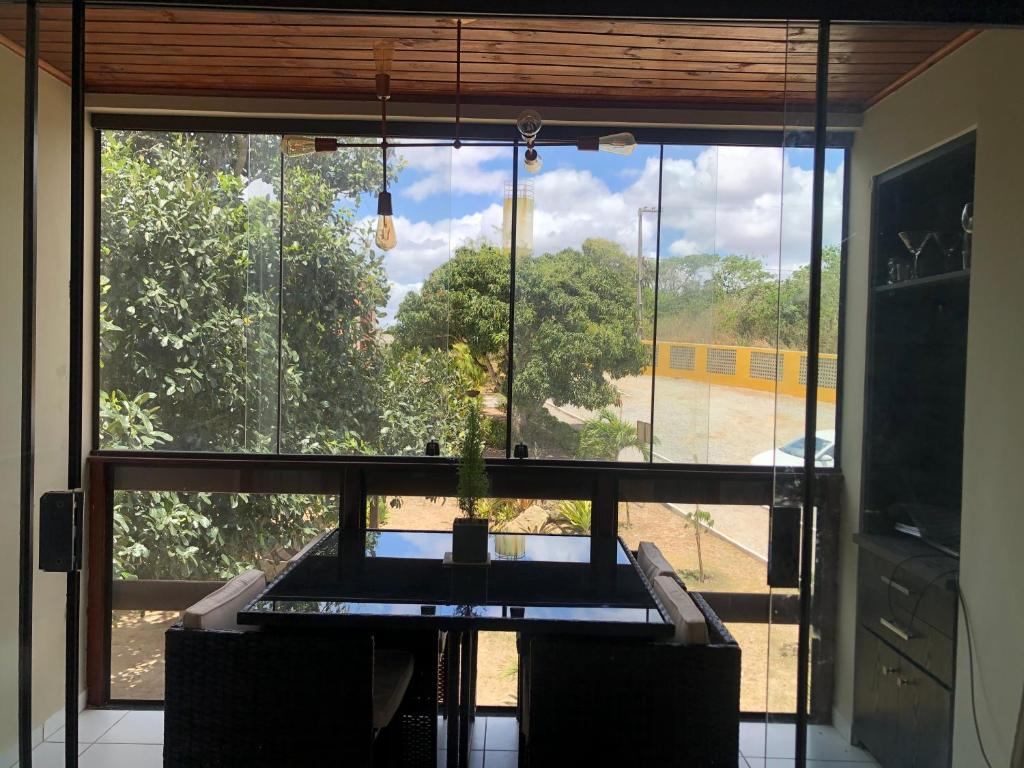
x=466 y=696
x=452 y=703
x=472 y=673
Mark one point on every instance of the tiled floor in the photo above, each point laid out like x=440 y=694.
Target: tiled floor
x=119 y=739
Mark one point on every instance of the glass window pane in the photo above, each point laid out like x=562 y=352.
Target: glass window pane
x=579 y=386
x=188 y=301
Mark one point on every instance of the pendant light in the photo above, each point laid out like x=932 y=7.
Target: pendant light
x=616 y=143
x=529 y=124
x=386 y=237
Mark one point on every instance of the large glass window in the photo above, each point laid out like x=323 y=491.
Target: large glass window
x=659 y=310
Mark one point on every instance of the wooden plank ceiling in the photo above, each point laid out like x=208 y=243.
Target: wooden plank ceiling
x=329 y=56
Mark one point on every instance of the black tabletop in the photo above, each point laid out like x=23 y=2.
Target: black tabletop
x=397 y=579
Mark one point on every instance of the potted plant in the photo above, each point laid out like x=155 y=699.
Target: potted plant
x=469 y=533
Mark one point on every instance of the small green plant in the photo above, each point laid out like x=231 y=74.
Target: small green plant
x=700 y=519
x=573 y=515
x=472 y=485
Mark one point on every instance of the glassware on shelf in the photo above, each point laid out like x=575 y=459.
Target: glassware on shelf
x=952 y=254
x=898 y=270
x=967 y=222
x=915 y=241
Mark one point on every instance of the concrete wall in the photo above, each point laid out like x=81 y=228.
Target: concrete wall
x=51 y=382
x=975 y=87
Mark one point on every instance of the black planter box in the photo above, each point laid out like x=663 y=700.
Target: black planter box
x=469 y=540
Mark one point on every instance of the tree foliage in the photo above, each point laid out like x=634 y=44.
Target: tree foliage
x=195 y=251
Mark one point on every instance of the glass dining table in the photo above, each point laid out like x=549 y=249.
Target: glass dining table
x=385 y=580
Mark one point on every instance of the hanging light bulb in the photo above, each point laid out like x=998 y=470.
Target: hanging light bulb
x=616 y=143
x=528 y=124
x=297 y=146
x=386 y=237
x=531 y=160
x=383 y=58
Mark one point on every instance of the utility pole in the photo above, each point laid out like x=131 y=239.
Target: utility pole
x=640 y=266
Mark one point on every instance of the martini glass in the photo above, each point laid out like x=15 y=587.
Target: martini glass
x=915 y=240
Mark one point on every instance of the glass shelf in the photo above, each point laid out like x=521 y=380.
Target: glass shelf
x=945 y=277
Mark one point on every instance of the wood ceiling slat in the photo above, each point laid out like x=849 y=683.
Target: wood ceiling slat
x=444 y=74
x=337 y=83
x=477 y=62
x=342 y=90
x=634 y=57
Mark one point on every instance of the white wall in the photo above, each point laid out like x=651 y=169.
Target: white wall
x=51 y=381
x=977 y=86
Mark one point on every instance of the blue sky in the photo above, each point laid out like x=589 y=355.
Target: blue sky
x=750 y=200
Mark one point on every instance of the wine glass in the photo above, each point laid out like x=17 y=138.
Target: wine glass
x=915 y=240
x=967 y=222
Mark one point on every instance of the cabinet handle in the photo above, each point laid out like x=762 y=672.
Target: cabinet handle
x=903 y=681
x=886 y=671
x=897 y=586
x=896 y=629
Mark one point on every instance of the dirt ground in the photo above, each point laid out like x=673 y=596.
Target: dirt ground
x=137 y=637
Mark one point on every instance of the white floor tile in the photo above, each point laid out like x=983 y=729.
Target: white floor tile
x=787 y=762
x=137 y=727
x=123 y=756
x=499 y=759
x=823 y=743
x=478 y=733
x=50 y=754
x=476 y=759
x=92 y=723
x=502 y=733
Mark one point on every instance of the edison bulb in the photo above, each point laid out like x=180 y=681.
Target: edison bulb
x=617 y=143
x=531 y=161
x=386 y=237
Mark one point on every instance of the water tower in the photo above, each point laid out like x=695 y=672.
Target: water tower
x=524 y=219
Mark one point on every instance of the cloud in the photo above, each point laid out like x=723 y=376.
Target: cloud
x=748 y=200
x=456 y=172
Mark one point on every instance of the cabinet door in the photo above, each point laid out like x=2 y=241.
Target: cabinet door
x=875 y=700
x=924 y=719
x=901 y=714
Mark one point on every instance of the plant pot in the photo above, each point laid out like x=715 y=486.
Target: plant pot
x=469 y=540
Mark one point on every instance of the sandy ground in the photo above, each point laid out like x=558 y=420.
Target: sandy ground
x=700 y=423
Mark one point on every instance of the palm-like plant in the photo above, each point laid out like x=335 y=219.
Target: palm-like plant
x=603 y=438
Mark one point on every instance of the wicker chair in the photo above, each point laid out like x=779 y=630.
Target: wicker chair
x=619 y=701
x=310 y=697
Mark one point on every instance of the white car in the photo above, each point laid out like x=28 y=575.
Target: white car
x=792 y=453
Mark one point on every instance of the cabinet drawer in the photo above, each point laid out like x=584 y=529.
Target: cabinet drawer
x=901 y=715
x=909 y=590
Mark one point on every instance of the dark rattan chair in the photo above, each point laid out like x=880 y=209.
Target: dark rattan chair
x=620 y=701
x=275 y=698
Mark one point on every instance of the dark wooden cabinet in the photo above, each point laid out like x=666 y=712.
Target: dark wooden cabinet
x=913 y=461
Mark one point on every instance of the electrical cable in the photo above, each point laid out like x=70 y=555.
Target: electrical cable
x=970 y=666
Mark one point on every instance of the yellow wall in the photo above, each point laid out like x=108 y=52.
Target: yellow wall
x=750 y=367
x=972 y=88
x=51 y=383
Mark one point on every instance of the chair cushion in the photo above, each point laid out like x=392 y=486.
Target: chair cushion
x=691 y=627
x=219 y=609
x=652 y=562
x=392 y=672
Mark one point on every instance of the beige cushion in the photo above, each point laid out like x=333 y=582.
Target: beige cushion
x=392 y=671
x=691 y=628
x=219 y=609
x=652 y=562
